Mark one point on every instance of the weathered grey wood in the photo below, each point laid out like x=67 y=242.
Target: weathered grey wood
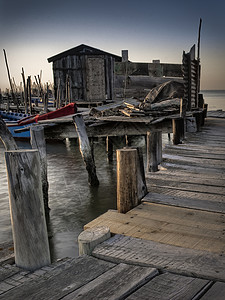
x=6 y=136
x=27 y=209
x=195 y=203
x=127 y=196
x=180 y=260
x=152 y=151
x=89 y=238
x=198 y=116
x=85 y=150
x=117 y=283
x=141 y=182
x=216 y=292
x=170 y=286
x=191 y=124
x=38 y=142
x=61 y=281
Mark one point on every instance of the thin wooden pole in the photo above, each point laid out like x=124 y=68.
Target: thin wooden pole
x=85 y=150
x=159 y=146
x=152 y=148
x=25 y=92
x=27 y=209
x=37 y=141
x=29 y=94
x=9 y=77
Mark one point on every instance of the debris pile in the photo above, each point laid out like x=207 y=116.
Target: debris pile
x=162 y=100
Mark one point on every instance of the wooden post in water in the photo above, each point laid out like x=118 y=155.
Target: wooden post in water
x=6 y=136
x=127 y=197
x=152 y=151
x=109 y=148
x=85 y=150
x=37 y=141
x=27 y=209
x=178 y=130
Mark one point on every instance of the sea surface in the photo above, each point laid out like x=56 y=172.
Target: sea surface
x=214 y=98
x=72 y=201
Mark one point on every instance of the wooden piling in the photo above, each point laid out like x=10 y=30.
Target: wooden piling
x=159 y=147
x=178 y=130
x=27 y=209
x=127 y=197
x=198 y=116
x=109 y=148
x=85 y=150
x=38 y=142
x=152 y=149
x=205 y=109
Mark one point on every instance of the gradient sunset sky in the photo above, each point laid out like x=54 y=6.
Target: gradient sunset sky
x=32 y=31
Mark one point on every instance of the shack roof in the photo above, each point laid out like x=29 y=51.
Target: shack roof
x=82 y=50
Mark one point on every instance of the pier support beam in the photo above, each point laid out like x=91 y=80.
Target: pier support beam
x=198 y=116
x=27 y=209
x=109 y=148
x=152 y=151
x=38 y=142
x=131 y=186
x=85 y=150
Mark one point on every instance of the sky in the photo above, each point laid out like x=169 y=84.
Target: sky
x=32 y=31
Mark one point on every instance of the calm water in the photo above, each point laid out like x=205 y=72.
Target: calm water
x=215 y=99
x=72 y=201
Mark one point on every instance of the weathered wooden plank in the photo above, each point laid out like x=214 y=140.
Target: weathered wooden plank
x=116 y=283
x=175 y=259
x=6 y=253
x=190 y=186
x=170 y=225
x=216 y=292
x=170 y=286
x=207 y=205
x=61 y=281
x=220 y=164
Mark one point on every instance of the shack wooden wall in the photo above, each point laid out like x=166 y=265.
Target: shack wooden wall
x=91 y=77
x=148 y=69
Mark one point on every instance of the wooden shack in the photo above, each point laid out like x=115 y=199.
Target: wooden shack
x=84 y=73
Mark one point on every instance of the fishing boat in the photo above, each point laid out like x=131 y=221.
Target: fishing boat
x=18 y=122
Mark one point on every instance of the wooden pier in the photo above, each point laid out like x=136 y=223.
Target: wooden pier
x=171 y=246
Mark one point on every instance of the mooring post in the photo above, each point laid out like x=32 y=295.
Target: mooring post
x=27 y=209
x=178 y=130
x=109 y=148
x=37 y=141
x=152 y=151
x=85 y=149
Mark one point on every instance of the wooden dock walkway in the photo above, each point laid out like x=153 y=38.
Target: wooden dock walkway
x=171 y=246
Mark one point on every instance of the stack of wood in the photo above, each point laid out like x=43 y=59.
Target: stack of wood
x=165 y=99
